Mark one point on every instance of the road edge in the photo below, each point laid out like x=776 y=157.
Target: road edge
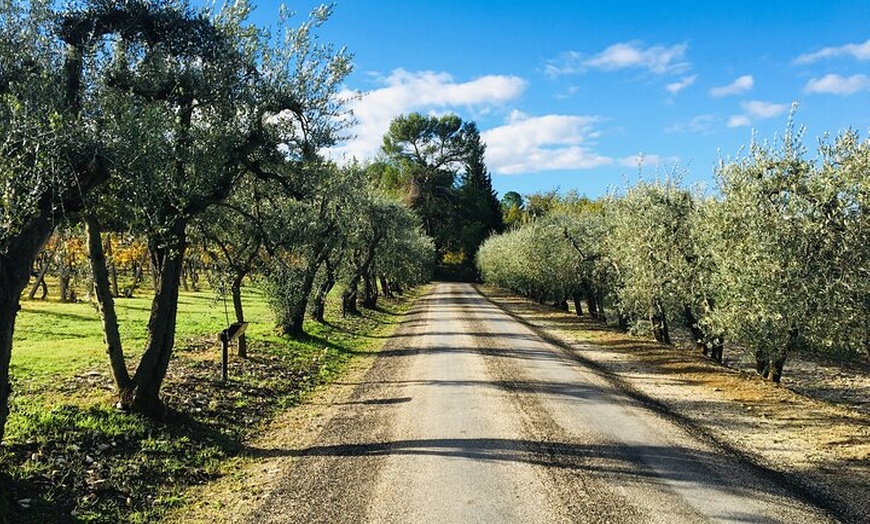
x=248 y=480
x=809 y=492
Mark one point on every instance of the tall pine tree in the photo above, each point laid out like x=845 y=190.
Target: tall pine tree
x=480 y=209
x=440 y=163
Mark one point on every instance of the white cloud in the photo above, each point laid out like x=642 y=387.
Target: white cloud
x=643 y=160
x=838 y=85
x=657 y=59
x=739 y=121
x=756 y=110
x=857 y=51
x=699 y=124
x=568 y=93
x=571 y=62
x=524 y=144
x=530 y=144
x=685 y=82
x=739 y=86
x=405 y=91
x=759 y=109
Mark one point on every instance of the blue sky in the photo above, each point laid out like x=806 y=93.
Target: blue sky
x=568 y=94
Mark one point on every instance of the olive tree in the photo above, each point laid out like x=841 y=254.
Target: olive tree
x=234 y=105
x=652 y=244
x=185 y=133
x=583 y=226
x=57 y=124
x=407 y=256
x=759 y=256
x=374 y=220
x=536 y=260
x=791 y=256
x=32 y=164
x=305 y=233
x=840 y=218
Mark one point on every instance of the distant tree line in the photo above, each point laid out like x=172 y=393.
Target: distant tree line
x=776 y=260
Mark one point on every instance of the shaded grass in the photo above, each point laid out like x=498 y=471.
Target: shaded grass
x=69 y=456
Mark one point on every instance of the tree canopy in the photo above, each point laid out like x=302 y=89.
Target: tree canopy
x=179 y=126
x=438 y=165
x=775 y=261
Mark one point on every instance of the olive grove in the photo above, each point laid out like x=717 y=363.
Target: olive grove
x=790 y=251
x=776 y=260
x=200 y=135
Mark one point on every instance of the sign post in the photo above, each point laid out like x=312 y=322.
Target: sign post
x=234 y=331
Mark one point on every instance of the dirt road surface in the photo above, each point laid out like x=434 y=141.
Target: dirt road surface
x=468 y=416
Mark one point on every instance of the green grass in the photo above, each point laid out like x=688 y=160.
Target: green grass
x=55 y=338
x=78 y=459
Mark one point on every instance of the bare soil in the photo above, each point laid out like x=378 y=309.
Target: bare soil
x=250 y=479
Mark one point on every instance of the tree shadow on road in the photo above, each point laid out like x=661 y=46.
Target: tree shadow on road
x=617 y=464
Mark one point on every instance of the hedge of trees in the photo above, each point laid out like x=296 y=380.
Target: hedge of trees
x=197 y=137
x=776 y=260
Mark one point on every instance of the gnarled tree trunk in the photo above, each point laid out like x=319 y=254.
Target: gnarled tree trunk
x=318 y=308
x=370 y=292
x=709 y=345
x=593 y=303
x=578 y=306
x=295 y=326
x=659 y=322
x=166 y=261
x=770 y=365
x=348 y=299
x=599 y=303
x=106 y=305
x=15 y=262
x=385 y=287
x=11 y=286
x=717 y=348
x=364 y=263
x=622 y=320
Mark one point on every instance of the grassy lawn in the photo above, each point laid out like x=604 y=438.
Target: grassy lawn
x=70 y=456
x=58 y=345
x=54 y=338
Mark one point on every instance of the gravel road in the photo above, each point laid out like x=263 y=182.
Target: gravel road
x=468 y=416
